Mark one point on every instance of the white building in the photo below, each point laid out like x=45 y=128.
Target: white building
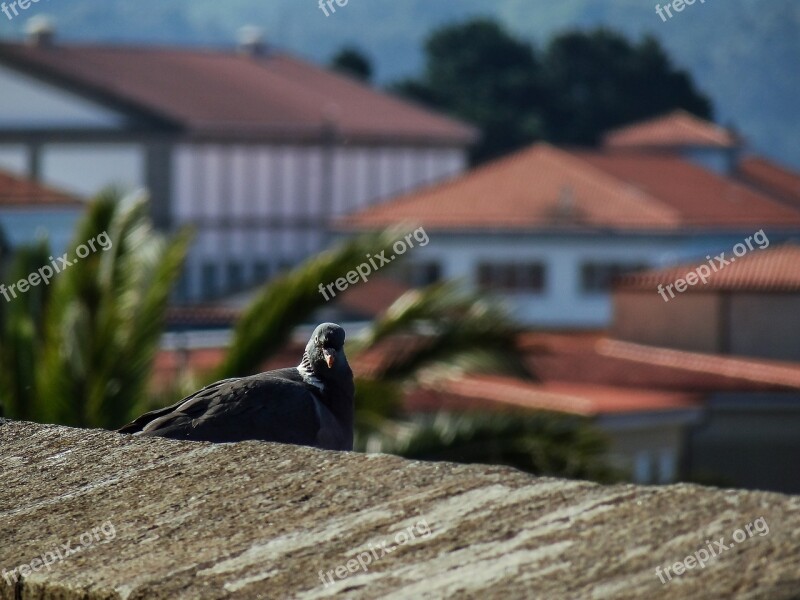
x=548 y=229
x=254 y=149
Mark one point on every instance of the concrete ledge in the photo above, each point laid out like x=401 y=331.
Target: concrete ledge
x=256 y=520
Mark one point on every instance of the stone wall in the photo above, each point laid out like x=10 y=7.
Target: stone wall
x=151 y=518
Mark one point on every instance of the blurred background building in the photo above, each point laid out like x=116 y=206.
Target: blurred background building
x=255 y=149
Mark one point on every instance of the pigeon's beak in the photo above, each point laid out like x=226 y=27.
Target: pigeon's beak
x=330 y=356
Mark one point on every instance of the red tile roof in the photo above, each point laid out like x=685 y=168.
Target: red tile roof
x=773 y=269
x=489 y=392
x=216 y=93
x=771 y=178
x=547 y=188
x=602 y=361
x=676 y=129
x=18 y=192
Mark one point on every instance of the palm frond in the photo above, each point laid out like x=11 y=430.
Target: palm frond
x=460 y=329
x=289 y=299
x=106 y=315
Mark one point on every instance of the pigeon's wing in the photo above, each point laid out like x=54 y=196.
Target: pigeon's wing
x=266 y=407
x=139 y=424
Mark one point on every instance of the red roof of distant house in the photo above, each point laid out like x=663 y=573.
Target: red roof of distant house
x=773 y=269
x=770 y=177
x=547 y=188
x=222 y=94
x=593 y=359
x=490 y=392
x=676 y=129
x=18 y=192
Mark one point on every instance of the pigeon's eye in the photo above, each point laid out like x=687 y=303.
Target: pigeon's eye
x=316 y=340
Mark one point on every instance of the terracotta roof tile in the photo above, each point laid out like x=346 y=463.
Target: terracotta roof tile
x=488 y=392
x=771 y=178
x=226 y=93
x=773 y=269
x=20 y=192
x=604 y=361
x=676 y=129
x=546 y=188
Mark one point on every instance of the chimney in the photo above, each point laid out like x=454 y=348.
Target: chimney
x=251 y=41
x=41 y=31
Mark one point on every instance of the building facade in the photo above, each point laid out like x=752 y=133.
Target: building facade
x=549 y=229
x=255 y=150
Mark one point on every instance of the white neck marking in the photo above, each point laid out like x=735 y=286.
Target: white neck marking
x=309 y=377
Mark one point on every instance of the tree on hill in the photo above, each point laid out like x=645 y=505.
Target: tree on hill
x=599 y=80
x=581 y=85
x=480 y=73
x=353 y=62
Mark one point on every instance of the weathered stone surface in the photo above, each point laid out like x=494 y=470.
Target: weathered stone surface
x=256 y=520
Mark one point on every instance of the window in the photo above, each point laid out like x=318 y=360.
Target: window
x=261 y=272
x=597 y=278
x=420 y=274
x=511 y=277
x=643 y=467
x=182 y=289
x=667 y=467
x=235 y=276
x=208 y=280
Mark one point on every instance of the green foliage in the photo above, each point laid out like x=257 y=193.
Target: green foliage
x=539 y=443
x=584 y=84
x=459 y=329
x=21 y=333
x=106 y=315
x=377 y=402
x=480 y=73
x=599 y=80
x=353 y=62
x=89 y=361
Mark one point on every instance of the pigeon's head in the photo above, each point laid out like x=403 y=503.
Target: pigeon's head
x=325 y=351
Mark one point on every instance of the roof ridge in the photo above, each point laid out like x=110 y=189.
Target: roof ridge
x=779 y=374
x=680 y=118
x=612 y=181
x=443 y=184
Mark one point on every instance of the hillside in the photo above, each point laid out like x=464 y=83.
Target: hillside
x=744 y=54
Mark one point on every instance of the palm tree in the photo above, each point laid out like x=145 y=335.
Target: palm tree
x=106 y=315
x=84 y=345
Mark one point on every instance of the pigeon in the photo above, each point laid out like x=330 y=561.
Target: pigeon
x=309 y=405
